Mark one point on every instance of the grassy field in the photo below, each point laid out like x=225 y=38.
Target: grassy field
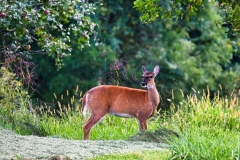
x=144 y=155
x=206 y=128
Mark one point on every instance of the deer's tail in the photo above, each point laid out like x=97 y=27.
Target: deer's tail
x=84 y=105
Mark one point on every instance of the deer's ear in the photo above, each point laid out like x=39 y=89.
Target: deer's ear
x=156 y=70
x=144 y=69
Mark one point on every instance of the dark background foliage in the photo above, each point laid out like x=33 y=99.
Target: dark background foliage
x=193 y=53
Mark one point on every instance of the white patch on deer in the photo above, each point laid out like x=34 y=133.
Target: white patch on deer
x=150 y=86
x=124 y=115
x=85 y=107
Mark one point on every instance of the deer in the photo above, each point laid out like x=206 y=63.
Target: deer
x=122 y=101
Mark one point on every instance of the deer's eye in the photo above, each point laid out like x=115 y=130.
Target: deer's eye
x=150 y=77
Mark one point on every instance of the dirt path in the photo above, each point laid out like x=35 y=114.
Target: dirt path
x=13 y=146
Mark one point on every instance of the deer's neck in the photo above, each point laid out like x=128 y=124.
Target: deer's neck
x=153 y=95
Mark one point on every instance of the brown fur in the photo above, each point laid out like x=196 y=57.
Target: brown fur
x=121 y=101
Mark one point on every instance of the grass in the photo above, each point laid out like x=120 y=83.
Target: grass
x=206 y=128
x=68 y=124
x=63 y=118
x=71 y=127
x=144 y=155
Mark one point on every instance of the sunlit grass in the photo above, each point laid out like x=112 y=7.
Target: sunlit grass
x=110 y=127
x=70 y=121
x=208 y=129
x=115 y=128
x=143 y=155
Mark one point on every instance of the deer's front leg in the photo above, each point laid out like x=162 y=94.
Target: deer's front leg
x=142 y=124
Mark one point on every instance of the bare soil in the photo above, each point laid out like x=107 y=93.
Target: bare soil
x=13 y=146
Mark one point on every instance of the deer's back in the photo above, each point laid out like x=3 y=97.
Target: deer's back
x=118 y=99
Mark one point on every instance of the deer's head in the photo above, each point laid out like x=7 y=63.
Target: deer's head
x=148 y=77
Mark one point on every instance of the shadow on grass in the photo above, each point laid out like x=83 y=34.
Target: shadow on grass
x=26 y=128
x=161 y=135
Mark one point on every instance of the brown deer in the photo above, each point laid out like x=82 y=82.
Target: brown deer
x=122 y=102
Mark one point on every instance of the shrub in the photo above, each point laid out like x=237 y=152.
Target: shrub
x=13 y=98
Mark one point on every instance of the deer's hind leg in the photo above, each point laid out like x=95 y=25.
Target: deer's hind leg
x=94 y=119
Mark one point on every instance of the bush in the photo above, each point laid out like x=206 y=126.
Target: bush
x=15 y=107
x=13 y=98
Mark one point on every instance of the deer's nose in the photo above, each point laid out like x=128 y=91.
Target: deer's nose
x=144 y=84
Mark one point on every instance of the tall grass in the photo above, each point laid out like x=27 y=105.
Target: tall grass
x=109 y=128
x=141 y=155
x=61 y=118
x=13 y=99
x=69 y=125
x=208 y=129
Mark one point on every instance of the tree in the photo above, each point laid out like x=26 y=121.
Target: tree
x=191 y=11
x=184 y=9
x=43 y=27
x=192 y=53
x=84 y=69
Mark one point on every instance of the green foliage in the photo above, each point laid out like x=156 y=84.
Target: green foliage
x=208 y=129
x=85 y=68
x=16 y=111
x=189 y=9
x=150 y=9
x=230 y=13
x=185 y=9
x=45 y=25
x=191 y=53
x=13 y=98
x=167 y=9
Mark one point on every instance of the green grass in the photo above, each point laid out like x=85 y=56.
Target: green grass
x=207 y=128
x=206 y=143
x=143 y=155
x=71 y=127
x=71 y=122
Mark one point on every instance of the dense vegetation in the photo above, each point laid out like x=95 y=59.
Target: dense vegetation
x=197 y=51
x=195 y=43
x=191 y=53
x=203 y=128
